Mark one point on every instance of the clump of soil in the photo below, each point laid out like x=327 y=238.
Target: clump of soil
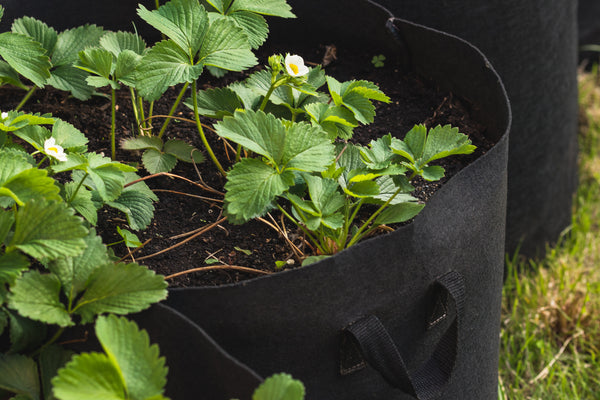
x=185 y=208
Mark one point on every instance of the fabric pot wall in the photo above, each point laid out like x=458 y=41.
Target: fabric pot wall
x=198 y=368
x=412 y=314
x=533 y=46
x=66 y=14
x=589 y=21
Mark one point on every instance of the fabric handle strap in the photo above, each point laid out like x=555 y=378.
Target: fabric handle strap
x=380 y=352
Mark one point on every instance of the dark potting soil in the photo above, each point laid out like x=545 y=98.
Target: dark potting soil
x=180 y=212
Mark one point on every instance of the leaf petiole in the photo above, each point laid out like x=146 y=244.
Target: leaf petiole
x=26 y=98
x=201 y=131
x=173 y=108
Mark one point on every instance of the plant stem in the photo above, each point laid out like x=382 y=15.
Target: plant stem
x=266 y=98
x=113 y=118
x=41 y=161
x=49 y=342
x=201 y=131
x=27 y=96
x=77 y=189
x=358 y=234
x=140 y=123
x=348 y=222
x=176 y=104
x=238 y=153
x=306 y=231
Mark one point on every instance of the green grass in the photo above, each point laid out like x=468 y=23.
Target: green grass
x=550 y=337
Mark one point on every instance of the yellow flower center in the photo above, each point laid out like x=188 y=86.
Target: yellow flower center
x=294 y=68
x=53 y=149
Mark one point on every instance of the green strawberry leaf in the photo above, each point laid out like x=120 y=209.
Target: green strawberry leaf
x=74 y=272
x=183 y=21
x=117 y=42
x=142 y=143
x=127 y=61
x=256 y=131
x=71 y=79
x=11 y=267
x=69 y=137
x=420 y=147
x=397 y=213
x=48 y=229
x=81 y=201
x=129 y=238
x=7 y=219
x=280 y=387
x=156 y=161
x=226 y=46
x=137 y=206
x=379 y=154
x=356 y=96
x=38 y=31
x=26 y=56
x=120 y=289
x=183 y=151
x=37 y=296
x=255 y=26
x=9 y=76
x=139 y=363
x=26 y=185
x=130 y=369
x=325 y=195
x=19 y=374
x=276 y=8
x=52 y=358
x=443 y=141
x=25 y=334
x=164 y=65
x=251 y=187
x=89 y=376
x=433 y=173
x=96 y=61
x=72 y=41
x=216 y=103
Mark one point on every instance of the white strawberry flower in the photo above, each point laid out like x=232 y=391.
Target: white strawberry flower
x=294 y=65
x=4 y=115
x=53 y=150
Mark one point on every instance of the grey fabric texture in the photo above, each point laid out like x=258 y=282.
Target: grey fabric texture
x=533 y=46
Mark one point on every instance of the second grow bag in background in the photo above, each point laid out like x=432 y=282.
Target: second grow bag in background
x=533 y=46
x=589 y=22
x=411 y=314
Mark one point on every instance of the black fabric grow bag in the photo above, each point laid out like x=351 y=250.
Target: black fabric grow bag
x=198 y=367
x=589 y=21
x=415 y=313
x=533 y=46
x=66 y=14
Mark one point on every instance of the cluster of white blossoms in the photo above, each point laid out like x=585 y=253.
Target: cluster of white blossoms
x=53 y=150
x=294 y=65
